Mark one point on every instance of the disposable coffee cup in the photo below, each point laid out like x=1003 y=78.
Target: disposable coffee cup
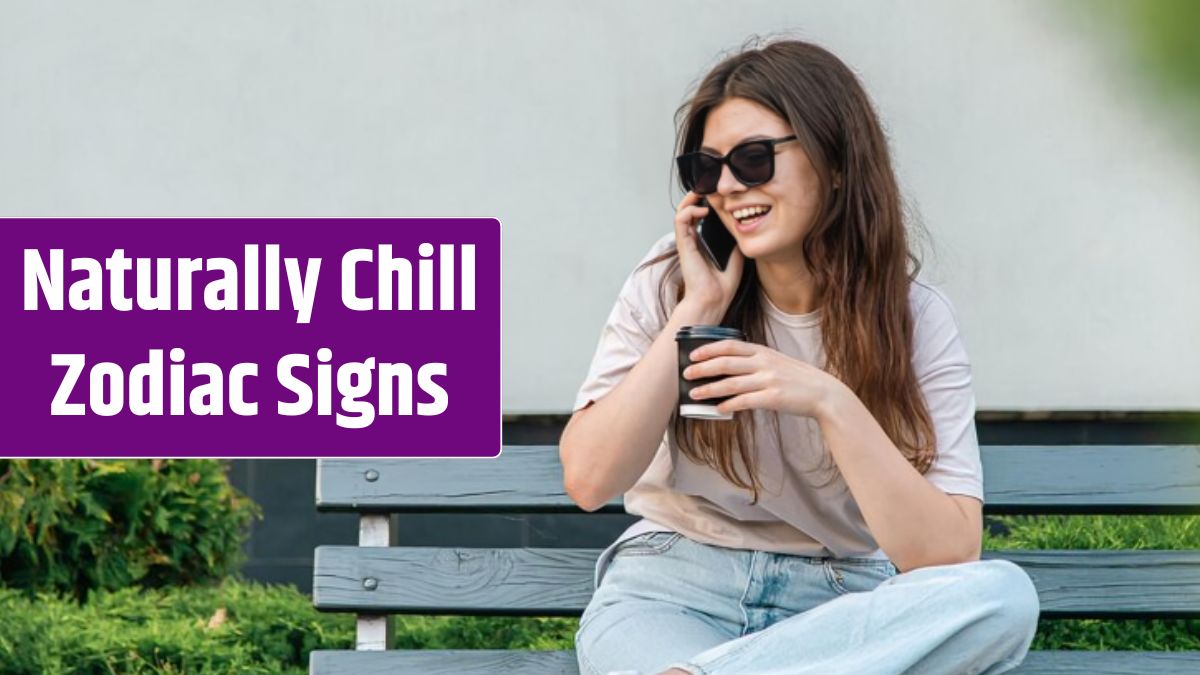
x=689 y=338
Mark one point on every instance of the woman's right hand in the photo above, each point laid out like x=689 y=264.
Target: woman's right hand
x=707 y=288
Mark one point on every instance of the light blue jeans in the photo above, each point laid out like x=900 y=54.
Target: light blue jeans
x=666 y=601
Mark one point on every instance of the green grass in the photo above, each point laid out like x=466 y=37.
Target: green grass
x=1096 y=532
x=474 y=632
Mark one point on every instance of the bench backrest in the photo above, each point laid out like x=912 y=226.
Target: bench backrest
x=376 y=579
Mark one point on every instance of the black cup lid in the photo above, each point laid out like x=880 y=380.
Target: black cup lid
x=709 y=333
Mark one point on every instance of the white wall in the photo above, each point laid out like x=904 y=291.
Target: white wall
x=1064 y=212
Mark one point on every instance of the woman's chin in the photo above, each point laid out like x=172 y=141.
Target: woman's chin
x=763 y=249
x=753 y=250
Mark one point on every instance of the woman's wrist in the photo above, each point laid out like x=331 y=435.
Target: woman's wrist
x=833 y=400
x=696 y=312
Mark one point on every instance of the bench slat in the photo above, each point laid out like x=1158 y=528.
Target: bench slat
x=529 y=581
x=444 y=662
x=525 y=478
x=558 y=581
x=488 y=662
x=1120 y=479
x=1148 y=479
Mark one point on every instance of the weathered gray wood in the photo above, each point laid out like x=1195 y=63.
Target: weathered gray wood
x=444 y=662
x=1019 y=479
x=1112 y=584
x=1122 y=479
x=1108 y=663
x=524 y=478
x=517 y=581
x=558 y=581
x=489 y=662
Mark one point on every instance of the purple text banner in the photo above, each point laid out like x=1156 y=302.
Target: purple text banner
x=323 y=337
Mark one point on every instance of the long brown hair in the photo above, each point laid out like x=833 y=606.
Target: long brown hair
x=857 y=249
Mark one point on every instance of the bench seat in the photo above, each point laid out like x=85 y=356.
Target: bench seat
x=493 y=661
x=376 y=579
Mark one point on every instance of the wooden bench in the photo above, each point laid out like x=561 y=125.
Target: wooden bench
x=376 y=578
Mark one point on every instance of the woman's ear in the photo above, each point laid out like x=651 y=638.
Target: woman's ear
x=837 y=179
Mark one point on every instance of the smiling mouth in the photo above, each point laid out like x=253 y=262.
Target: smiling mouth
x=748 y=218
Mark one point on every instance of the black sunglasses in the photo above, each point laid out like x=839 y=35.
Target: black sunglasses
x=752 y=163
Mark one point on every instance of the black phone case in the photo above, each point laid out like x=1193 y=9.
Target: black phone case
x=716 y=241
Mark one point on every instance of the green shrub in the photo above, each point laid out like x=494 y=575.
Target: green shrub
x=264 y=629
x=76 y=525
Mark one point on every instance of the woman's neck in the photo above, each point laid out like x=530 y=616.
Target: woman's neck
x=789 y=286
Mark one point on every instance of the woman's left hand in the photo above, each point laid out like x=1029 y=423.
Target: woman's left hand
x=759 y=377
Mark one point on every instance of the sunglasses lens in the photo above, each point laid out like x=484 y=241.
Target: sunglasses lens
x=753 y=164
x=705 y=173
x=684 y=162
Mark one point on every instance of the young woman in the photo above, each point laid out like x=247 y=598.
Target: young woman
x=834 y=525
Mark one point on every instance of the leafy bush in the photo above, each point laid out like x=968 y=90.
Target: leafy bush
x=236 y=627
x=76 y=525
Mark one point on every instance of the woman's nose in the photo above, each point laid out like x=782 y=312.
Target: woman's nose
x=727 y=184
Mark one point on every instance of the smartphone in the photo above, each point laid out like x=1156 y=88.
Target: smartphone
x=715 y=239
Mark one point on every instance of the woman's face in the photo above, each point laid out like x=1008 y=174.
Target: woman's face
x=792 y=194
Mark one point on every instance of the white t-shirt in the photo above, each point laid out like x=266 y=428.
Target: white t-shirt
x=804 y=508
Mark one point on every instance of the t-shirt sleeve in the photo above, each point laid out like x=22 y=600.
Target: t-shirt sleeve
x=633 y=324
x=944 y=377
